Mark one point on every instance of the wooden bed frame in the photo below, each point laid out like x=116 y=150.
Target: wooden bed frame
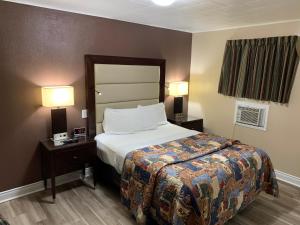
x=90 y=62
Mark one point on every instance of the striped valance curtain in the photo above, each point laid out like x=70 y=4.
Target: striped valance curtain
x=262 y=69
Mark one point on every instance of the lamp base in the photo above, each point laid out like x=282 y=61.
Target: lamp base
x=59 y=125
x=178 y=103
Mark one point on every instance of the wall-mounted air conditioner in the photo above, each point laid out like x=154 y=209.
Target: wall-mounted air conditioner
x=251 y=115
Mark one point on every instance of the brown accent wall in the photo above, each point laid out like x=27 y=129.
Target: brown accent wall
x=41 y=47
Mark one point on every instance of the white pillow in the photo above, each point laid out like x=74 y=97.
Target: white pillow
x=154 y=114
x=125 y=121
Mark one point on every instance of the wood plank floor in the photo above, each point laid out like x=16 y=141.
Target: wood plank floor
x=77 y=204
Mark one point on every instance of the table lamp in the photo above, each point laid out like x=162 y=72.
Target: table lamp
x=178 y=90
x=57 y=98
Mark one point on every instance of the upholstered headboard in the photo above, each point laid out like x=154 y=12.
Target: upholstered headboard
x=122 y=83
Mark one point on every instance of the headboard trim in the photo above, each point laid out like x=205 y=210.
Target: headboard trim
x=91 y=60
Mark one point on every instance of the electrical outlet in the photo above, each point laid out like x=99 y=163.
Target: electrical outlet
x=84 y=113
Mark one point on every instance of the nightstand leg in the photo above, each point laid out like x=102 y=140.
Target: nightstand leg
x=53 y=178
x=94 y=176
x=53 y=188
x=83 y=172
x=44 y=167
x=45 y=183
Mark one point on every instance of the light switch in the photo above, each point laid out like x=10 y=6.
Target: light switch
x=84 y=113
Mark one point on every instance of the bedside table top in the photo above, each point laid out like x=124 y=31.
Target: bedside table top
x=184 y=120
x=49 y=144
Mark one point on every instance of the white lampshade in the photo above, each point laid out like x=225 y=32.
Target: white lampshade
x=179 y=88
x=163 y=2
x=57 y=96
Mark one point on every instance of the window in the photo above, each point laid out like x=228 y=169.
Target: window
x=262 y=69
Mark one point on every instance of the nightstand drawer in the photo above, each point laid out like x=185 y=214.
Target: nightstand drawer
x=74 y=156
x=73 y=159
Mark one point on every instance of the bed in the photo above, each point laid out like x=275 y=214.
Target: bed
x=112 y=149
x=170 y=174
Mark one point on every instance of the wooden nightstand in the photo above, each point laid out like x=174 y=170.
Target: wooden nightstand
x=58 y=160
x=189 y=123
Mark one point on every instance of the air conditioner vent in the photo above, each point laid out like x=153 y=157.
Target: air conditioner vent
x=251 y=115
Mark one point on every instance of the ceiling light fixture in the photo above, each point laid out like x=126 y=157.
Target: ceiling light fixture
x=163 y=2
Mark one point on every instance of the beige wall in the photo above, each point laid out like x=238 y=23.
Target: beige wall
x=282 y=138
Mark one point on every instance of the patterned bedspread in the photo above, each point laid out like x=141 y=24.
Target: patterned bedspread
x=202 y=179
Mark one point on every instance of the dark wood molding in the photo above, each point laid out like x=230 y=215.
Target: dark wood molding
x=91 y=60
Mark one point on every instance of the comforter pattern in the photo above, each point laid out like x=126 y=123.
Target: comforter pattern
x=202 y=179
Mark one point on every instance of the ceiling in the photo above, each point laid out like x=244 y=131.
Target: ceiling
x=185 y=15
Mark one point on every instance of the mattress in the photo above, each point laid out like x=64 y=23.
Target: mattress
x=112 y=148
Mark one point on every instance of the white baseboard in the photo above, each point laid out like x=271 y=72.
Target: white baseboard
x=39 y=186
x=67 y=178
x=290 y=179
